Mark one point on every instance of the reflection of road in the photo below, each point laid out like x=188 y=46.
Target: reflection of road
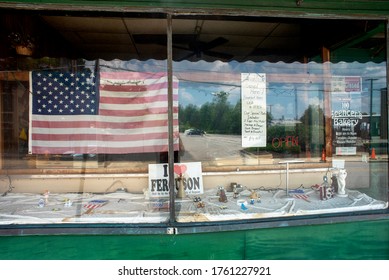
x=210 y=147
x=371 y=174
x=225 y=149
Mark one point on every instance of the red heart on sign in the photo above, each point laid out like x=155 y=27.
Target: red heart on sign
x=179 y=169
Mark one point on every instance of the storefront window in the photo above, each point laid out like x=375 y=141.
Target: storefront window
x=269 y=117
x=278 y=132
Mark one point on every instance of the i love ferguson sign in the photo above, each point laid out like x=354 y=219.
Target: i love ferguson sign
x=190 y=173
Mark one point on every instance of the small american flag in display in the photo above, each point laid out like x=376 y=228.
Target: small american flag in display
x=302 y=196
x=93 y=204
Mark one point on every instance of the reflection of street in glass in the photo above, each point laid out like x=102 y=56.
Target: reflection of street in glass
x=211 y=147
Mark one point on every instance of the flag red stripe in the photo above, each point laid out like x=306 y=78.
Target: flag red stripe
x=135 y=88
x=135 y=113
x=99 y=137
x=135 y=100
x=101 y=124
x=103 y=150
x=132 y=75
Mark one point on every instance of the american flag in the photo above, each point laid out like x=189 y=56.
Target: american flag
x=109 y=113
x=302 y=196
x=93 y=204
x=299 y=193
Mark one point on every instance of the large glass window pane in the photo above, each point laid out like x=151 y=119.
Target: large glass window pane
x=283 y=117
x=80 y=129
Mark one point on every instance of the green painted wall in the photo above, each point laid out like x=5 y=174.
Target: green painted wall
x=313 y=7
x=356 y=240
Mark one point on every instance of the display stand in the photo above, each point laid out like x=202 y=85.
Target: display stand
x=287 y=162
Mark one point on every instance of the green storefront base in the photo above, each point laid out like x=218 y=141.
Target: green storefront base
x=349 y=240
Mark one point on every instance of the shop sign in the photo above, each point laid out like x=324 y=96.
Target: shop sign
x=189 y=173
x=344 y=84
x=290 y=141
x=346 y=113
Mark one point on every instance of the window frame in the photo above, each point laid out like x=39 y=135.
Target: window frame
x=199 y=227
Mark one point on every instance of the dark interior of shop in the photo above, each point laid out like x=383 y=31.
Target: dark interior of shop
x=138 y=36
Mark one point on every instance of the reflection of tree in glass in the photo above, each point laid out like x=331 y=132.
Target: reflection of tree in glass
x=218 y=116
x=311 y=130
x=286 y=140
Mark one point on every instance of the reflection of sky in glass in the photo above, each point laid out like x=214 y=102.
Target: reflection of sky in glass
x=285 y=99
x=200 y=93
x=289 y=101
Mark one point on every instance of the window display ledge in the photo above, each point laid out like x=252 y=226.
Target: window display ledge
x=125 y=208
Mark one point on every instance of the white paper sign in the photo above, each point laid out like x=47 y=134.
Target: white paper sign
x=346 y=104
x=189 y=172
x=253 y=92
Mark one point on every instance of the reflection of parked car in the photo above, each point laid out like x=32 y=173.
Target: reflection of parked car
x=194 y=131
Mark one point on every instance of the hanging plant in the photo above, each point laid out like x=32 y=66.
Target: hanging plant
x=23 y=44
